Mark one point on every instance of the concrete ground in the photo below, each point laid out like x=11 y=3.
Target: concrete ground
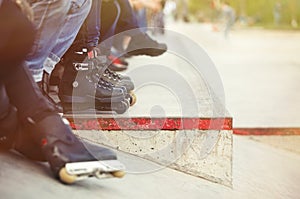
x=260 y=71
x=289 y=143
x=259 y=171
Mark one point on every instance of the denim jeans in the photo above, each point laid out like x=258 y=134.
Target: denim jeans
x=57 y=23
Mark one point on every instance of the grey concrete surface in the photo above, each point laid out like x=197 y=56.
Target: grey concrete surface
x=259 y=171
x=260 y=70
x=289 y=143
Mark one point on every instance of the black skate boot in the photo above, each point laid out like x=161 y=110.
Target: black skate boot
x=110 y=76
x=142 y=44
x=82 y=88
x=98 y=58
x=59 y=146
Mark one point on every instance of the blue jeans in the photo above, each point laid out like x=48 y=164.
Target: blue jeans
x=57 y=23
x=75 y=18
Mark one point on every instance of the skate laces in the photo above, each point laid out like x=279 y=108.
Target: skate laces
x=101 y=83
x=104 y=84
x=112 y=74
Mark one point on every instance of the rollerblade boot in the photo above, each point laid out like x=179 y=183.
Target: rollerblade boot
x=108 y=75
x=104 y=73
x=81 y=88
x=60 y=147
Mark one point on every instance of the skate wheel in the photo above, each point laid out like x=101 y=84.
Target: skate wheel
x=65 y=177
x=118 y=174
x=132 y=98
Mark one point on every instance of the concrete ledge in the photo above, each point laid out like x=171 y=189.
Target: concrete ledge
x=95 y=122
x=202 y=153
x=267 y=131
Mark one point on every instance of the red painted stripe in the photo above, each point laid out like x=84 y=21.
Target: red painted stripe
x=85 y=123
x=266 y=131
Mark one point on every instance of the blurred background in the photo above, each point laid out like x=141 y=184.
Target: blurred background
x=283 y=14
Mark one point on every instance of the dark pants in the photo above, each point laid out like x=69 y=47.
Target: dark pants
x=120 y=14
x=128 y=18
x=117 y=17
x=110 y=15
x=17 y=36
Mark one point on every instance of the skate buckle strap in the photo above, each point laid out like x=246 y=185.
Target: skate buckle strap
x=81 y=66
x=92 y=54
